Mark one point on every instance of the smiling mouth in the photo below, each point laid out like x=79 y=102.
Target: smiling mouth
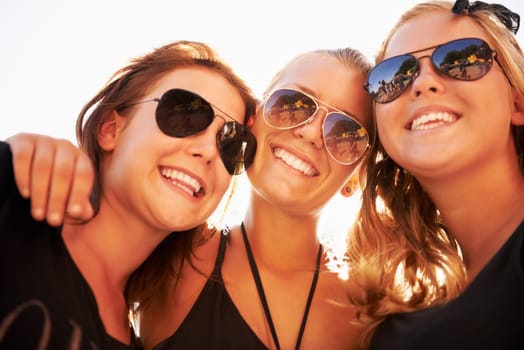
x=183 y=181
x=294 y=162
x=432 y=120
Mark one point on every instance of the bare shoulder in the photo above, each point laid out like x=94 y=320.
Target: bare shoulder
x=333 y=323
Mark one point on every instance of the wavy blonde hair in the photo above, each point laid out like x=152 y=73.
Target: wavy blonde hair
x=401 y=254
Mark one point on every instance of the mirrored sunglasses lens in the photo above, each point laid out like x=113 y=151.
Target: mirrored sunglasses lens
x=287 y=108
x=345 y=139
x=237 y=147
x=388 y=79
x=181 y=113
x=465 y=59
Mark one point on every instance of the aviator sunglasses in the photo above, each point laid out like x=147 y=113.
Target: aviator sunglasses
x=181 y=113
x=345 y=139
x=463 y=59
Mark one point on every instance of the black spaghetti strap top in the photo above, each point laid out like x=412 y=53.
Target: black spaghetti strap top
x=214 y=321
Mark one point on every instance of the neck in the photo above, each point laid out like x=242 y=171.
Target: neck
x=110 y=246
x=481 y=209
x=283 y=238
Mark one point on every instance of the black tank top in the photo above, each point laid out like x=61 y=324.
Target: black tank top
x=489 y=314
x=214 y=321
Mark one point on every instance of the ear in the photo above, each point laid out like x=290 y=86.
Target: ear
x=351 y=186
x=250 y=121
x=109 y=130
x=517 y=115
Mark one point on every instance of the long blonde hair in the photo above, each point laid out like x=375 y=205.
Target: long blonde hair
x=402 y=257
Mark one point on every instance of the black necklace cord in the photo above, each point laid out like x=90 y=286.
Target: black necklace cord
x=262 y=295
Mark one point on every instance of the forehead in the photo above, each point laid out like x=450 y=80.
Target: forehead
x=432 y=29
x=317 y=70
x=205 y=82
x=328 y=79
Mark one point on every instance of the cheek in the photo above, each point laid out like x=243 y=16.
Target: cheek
x=142 y=131
x=261 y=132
x=259 y=127
x=384 y=112
x=342 y=173
x=381 y=111
x=385 y=116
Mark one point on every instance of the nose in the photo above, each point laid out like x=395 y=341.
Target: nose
x=204 y=144
x=428 y=80
x=312 y=130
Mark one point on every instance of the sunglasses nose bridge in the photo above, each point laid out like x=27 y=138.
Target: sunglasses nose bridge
x=419 y=66
x=311 y=129
x=425 y=77
x=203 y=143
x=317 y=117
x=423 y=63
x=319 y=107
x=221 y=120
x=313 y=117
x=431 y=65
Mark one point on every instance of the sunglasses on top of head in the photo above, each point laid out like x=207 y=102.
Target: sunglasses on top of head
x=181 y=113
x=345 y=139
x=465 y=59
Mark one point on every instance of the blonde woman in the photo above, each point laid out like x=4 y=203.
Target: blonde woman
x=446 y=241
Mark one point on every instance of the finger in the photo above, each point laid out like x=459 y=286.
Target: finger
x=22 y=148
x=79 y=205
x=61 y=179
x=41 y=170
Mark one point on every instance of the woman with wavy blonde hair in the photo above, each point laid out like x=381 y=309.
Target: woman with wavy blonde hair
x=442 y=212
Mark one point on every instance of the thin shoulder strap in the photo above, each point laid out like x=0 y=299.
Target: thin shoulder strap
x=217 y=271
x=260 y=289
x=309 y=299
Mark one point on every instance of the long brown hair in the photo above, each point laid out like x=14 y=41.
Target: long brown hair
x=128 y=85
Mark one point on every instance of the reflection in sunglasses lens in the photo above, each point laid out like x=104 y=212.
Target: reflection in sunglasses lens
x=462 y=59
x=467 y=59
x=237 y=147
x=181 y=113
x=390 y=79
x=287 y=108
x=345 y=139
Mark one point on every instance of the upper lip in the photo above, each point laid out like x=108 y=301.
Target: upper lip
x=432 y=111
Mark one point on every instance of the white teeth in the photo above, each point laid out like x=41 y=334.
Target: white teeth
x=294 y=162
x=432 y=120
x=182 y=180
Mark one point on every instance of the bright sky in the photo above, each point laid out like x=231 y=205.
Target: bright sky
x=56 y=54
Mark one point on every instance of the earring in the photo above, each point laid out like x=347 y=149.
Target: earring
x=347 y=191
